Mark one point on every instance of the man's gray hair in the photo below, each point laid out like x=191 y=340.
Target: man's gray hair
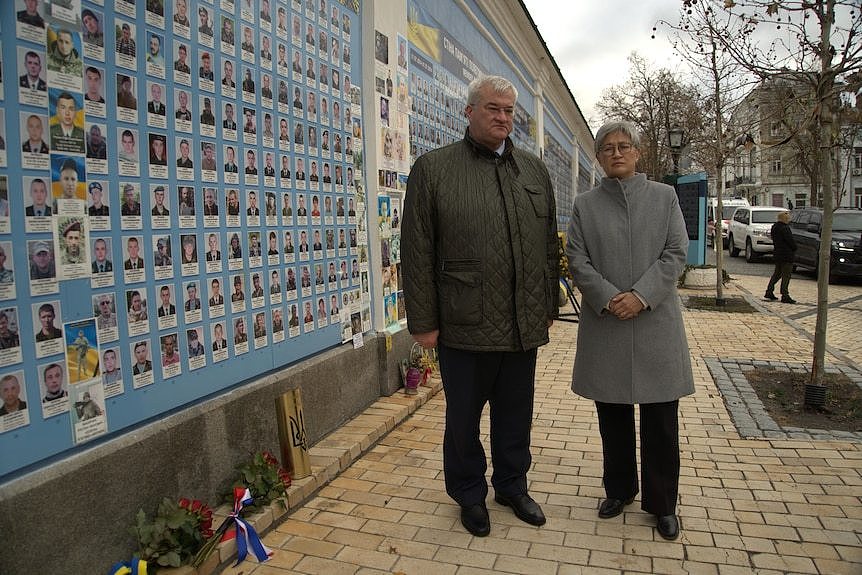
x=498 y=84
x=624 y=127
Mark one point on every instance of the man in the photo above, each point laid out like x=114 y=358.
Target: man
x=333 y=276
x=232 y=203
x=32 y=80
x=208 y=162
x=137 y=308
x=52 y=375
x=94 y=85
x=228 y=123
x=250 y=126
x=487 y=331
x=196 y=348
x=265 y=49
x=169 y=353
x=283 y=94
x=268 y=168
x=308 y=317
x=72 y=253
x=180 y=64
x=65 y=135
x=210 y=204
x=125 y=97
x=128 y=153
x=93 y=33
x=227 y=78
x=239 y=335
x=205 y=27
x=213 y=254
x=266 y=90
x=68 y=180
x=627 y=245
x=155 y=105
x=193 y=302
x=205 y=72
x=97 y=147
x=183 y=113
x=34 y=144
x=10 y=388
x=166 y=309
x=219 y=341
x=207 y=116
x=247 y=40
x=162 y=257
x=125 y=44
x=30 y=16
x=39 y=197
x=184 y=161
x=285 y=176
x=157 y=150
x=134 y=262
x=217 y=298
x=274 y=283
x=46 y=318
x=313 y=177
x=142 y=364
x=154 y=56
x=783 y=254
x=107 y=318
x=8 y=338
x=294 y=317
x=181 y=13
x=230 y=165
x=290 y=284
x=303 y=242
x=111 y=373
x=96 y=208
x=41 y=262
x=7 y=276
x=101 y=264
x=288 y=243
x=63 y=57
x=305 y=281
x=131 y=206
x=260 y=325
x=248 y=82
x=250 y=164
x=254 y=250
x=258 y=289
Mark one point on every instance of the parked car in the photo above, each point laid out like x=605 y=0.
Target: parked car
x=846 y=258
x=749 y=230
x=728 y=205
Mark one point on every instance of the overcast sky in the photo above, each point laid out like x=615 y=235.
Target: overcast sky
x=591 y=42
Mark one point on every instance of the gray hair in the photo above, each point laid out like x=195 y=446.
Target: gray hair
x=498 y=84
x=622 y=126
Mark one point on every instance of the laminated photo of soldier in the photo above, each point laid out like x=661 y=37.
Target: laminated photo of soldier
x=67 y=121
x=65 y=66
x=42 y=265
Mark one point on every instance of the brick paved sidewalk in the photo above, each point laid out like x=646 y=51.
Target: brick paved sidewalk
x=746 y=505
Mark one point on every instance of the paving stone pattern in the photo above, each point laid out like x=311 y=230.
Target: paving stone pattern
x=750 y=502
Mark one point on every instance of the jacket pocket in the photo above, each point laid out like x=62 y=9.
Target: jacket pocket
x=538 y=199
x=460 y=288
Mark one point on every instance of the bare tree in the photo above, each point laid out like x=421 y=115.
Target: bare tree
x=696 y=39
x=817 y=42
x=655 y=101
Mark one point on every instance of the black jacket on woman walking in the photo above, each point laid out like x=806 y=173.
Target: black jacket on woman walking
x=784 y=246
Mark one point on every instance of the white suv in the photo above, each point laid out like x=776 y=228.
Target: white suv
x=749 y=231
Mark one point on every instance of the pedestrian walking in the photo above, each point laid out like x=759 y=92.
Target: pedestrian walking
x=783 y=254
x=481 y=279
x=627 y=246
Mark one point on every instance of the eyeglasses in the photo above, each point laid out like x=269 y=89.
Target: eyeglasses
x=610 y=149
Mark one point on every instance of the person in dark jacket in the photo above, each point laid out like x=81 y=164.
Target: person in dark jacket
x=783 y=254
x=481 y=279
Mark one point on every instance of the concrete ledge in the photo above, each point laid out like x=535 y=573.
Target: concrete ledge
x=700 y=278
x=95 y=494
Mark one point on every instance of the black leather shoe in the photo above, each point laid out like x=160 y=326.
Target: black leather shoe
x=613 y=507
x=475 y=519
x=667 y=526
x=524 y=507
x=787 y=299
x=770 y=296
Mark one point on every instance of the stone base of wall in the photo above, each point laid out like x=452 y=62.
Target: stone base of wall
x=73 y=514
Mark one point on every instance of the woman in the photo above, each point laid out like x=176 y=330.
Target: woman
x=627 y=246
x=783 y=254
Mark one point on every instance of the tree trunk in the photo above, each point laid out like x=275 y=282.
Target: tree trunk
x=824 y=91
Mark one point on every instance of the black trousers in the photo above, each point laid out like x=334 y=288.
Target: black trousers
x=659 y=453
x=782 y=271
x=504 y=380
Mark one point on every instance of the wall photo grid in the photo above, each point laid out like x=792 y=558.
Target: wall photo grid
x=157 y=159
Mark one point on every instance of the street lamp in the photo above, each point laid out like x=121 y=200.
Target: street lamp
x=674 y=137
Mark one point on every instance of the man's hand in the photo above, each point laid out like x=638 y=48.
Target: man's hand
x=625 y=305
x=428 y=340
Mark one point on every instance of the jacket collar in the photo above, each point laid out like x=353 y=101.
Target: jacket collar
x=483 y=152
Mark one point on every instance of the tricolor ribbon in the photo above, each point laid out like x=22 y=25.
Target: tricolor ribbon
x=246 y=536
x=134 y=567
